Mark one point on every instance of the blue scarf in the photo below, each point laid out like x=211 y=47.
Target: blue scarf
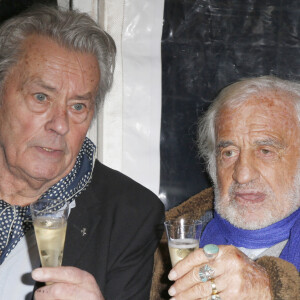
x=221 y=232
x=16 y=220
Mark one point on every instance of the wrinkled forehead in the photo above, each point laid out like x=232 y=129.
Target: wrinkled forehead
x=269 y=111
x=42 y=57
x=39 y=46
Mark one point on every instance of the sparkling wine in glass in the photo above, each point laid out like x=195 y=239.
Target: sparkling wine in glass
x=183 y=238
x=50 y=224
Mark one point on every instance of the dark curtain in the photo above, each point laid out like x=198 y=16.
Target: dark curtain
x=9 y=8
x=207 y=45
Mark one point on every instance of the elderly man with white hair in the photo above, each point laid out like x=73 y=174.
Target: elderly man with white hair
x=250 y=139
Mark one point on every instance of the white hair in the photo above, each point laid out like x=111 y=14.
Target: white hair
x=233 y=96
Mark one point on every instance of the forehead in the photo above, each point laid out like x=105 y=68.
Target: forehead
x=270 y=114
x=40 y=54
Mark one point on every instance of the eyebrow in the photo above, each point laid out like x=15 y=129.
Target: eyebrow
x=86 y=96
x=270 y=142
x=224 y=144
x=264 y=142
x=42 y=84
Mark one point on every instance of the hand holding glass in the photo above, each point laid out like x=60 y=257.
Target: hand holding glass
x=183 y=238
x=50 y=226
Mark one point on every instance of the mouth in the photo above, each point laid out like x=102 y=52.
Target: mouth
x=49 y=152
x=48 y=149
x=250 y=197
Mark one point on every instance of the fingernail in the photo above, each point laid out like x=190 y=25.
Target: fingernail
x=37 y=274
x=172 y=291
x=172 y=275
x=173 y=298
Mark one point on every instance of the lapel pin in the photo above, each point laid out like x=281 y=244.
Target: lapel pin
x=83 y=231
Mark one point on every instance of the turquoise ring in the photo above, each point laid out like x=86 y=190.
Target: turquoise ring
x=211 y=251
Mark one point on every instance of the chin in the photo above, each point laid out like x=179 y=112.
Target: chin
x=255 y=216
x=44 y=174
x=250 y=217
x=245 y=219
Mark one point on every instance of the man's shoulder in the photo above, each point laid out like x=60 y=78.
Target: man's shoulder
x=194 y=207
x=121 y=188
x=106 y=176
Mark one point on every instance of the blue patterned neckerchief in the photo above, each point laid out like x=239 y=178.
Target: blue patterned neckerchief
x=15 y=221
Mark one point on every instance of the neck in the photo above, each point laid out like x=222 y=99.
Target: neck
x=18 y=193
x=20 y=190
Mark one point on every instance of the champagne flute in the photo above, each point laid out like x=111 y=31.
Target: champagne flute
x=183 y=238
x=50 y=223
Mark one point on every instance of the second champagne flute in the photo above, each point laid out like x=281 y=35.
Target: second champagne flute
x=183 y=237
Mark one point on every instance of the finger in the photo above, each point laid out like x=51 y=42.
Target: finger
x=62 y=274
x=64 y=291
x=202 y=290
x=192 y=278
x=195 y=258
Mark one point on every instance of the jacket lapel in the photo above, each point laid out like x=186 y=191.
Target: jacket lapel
x=82 y=222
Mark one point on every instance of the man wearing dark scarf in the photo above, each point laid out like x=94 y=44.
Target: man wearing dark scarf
x=55 y=69
x=250 y=139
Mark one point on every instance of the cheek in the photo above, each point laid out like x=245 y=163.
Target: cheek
x=75 y=139
x=26 y=129
x=291 y=164
x=224 y=178
x=280 y=178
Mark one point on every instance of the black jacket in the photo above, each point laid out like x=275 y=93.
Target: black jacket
x=113 y=232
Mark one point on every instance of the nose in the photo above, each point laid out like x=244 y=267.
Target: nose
x=245 y=169
x=58 y=121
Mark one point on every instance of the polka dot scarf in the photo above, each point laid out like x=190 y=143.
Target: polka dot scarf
x=15 y=221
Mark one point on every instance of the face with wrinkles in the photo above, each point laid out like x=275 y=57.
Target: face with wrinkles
x=47 y=107
x=257 y=161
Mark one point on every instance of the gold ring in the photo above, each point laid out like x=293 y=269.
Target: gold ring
x=214 y=290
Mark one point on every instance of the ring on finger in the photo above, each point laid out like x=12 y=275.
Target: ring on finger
x=215 y=297
x=206 y=273
x=214 y=290
x=211 y=251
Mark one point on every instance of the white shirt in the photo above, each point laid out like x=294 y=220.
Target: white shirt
x=16 y=282
x=254 y=254
x=15 y=272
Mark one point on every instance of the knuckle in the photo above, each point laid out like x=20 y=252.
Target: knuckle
x=69 y=272
x=231 y=248
x=88 y=277
x=58 y=290
x=194 y=258
x=195 y=275
x=200 y=289
x=92 y=296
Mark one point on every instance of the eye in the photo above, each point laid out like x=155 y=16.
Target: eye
x=228 y=153
x=78 y=106
x=40 y=97
x=265 y=151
